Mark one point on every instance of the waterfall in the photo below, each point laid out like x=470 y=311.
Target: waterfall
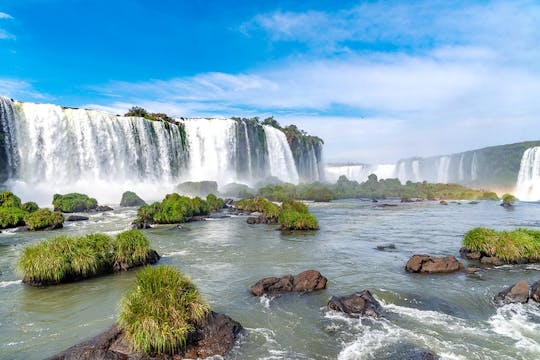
x=461 y=172
x=443 y=171
x=47 y=148
x=280 y=156
x=359 y=172
x=528 y=182
x=415 y=170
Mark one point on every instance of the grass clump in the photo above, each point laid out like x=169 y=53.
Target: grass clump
x=65 y=258
x=508 y=199
x=44 y=218
x=158 y=315
x=11 y=217
x=8 y=199
x=30 y=207
x=73 y=202
x=520 y=245
x=214 y=203
x=129 y=198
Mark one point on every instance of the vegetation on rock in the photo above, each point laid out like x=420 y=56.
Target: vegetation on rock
x=44 y=218
x=158 y=315
x=508 y=199
x=520 y=245
x=73 y=202
x=11 y=217
x=65 y=259
x=129 y=198
x=30 y=206
x=8 y=199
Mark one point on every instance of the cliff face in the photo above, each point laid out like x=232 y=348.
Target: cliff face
x=307 y=153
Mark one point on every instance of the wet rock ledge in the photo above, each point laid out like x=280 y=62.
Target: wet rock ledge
x=306 y=281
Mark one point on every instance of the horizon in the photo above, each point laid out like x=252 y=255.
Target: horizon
x=377 y=81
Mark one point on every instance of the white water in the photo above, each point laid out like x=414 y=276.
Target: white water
x=443 y=173
x=528 y=183
x=359 y=172
x=50 y=149
x=280 y=156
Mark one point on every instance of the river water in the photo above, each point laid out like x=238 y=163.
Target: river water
x=451 y=315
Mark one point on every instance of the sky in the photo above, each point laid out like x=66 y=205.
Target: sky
x=377 y=80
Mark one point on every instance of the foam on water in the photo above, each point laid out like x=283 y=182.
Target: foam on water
x=4 y=284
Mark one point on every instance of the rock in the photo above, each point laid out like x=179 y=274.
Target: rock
x=386 y=205
x=419 y=354
x=129 y=198
x=406 y=200
x=374 y=200
x=431 y=264
x=102 y=208
x=216 y=337
x=77 y=218
x=535 y=291
x=229 y=202
x=362 y=303
x=306 y=281
x=472 y=270
x=153 y=257
x=491 y=260
x=471 y=255
x=141 y=225
x=385 y=247
x=196 y=218
x=253 y=220
x=473 y=202
x=20 y=229
x=517 y=293
x=442 y=202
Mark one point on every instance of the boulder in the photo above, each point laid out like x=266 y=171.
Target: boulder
x=306 y=281
x=358 y=304
x=215 y=337
x=517 y=293
x=535 y=291
x=431 y=264
x=386 y=247
x=102 y=208
x=491 y=260
x=77 y=218
x=420 y=354
x=471 y=255
x=129 y=198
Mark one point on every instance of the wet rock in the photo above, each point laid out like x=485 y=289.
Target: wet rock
x=196 y=218
x=102 y=208
x=442 y=202
x=473 y=202
x=472 y=270
x=471 y=255
x=517 y=293
x=20 y=229
x=406 y=200
x=420 y=354
x=261 y=219
x=431 y=264
x=216 y=337
x=229 y=202
x=77 y=218
x=253 y=220
x=141 y=225
x=386 y=205
x=306 y=281
x=535 y=291
x=386 y=247
x=358 y=304
x=491 y=260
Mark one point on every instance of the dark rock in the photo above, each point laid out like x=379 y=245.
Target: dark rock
x=253 y=220
x=471 y=255
x=196 y=218
x=535 y=291
x=77 y=218
x=442 y=202
x=102 y=208
x=152 y=258
x=431 y=264
x=491 y=260
x=129 y=198
x=20 y=229
x=386 y=205
x=229 y=202
x=374 y=200
x=406 y=200
x=141 y=225
x=386 y=247
x=362 y=303
x=261 y=219
x=473 y=202
x=419 y=354
x=471 y=270
x=216 y=337
x=517 y=293
x=306 y=281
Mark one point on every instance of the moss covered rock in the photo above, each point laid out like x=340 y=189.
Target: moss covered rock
x=73 y=202
x=44 y=219
x=129 y=198
x=11 y=217
x=8 y=199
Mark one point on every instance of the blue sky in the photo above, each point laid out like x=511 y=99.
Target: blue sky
x=377 y=80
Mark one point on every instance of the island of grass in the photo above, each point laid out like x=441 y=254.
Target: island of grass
x=291 y=215
x=66 y=259
x=14 y=213
x=73 y=202
x=176 y=209
x=502 y=247
x=129 y=198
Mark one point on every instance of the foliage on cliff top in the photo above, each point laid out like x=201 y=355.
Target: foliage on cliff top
x=66 y=258
x=160 y=312
x=510 y=246
x=73 y=202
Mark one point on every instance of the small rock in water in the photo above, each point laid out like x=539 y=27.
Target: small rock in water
x=431 y=264
x=491 y=260
x=472 y=270
x=420 y=354
x=362 y=303
x=306 y=281
x=386 y=247
x=77 y=218
x=535 y=291
x=517 y=293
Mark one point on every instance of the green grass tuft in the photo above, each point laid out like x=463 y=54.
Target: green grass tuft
x=158 y=315
x=132 y=247
x=294 y=220
x=11 y=217
x=43 y=218
x=73 y=202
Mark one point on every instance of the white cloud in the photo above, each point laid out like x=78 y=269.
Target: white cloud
x=18 y=89
x=3 y=15
x=4 y=35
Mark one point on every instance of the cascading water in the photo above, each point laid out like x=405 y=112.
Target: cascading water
x=280 y=157
x=528 y=183
x=443 y=173
x=48 y=148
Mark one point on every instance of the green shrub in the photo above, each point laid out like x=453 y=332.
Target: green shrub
x=509 y=199
x=30 y=206
x=509 y=246
x=214 y=202
x=8 y=199
x=70 y=258
x=129 y=198
x=43 y=218
x=294 y=206
x=11 y=217
x=131 y=248
x=73 y=202
x=146 y=213
x=160 y=312
x=489 y=195
x=294 y=220
x=174 y=209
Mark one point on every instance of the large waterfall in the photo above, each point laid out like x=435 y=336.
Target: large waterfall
x=48 y=148
x=528 y=183
x=359 y=172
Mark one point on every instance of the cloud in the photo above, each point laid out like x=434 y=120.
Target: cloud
x=18 y=88
x=4 y=34
x=3 y=15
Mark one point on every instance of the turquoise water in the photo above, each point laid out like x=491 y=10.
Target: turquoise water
x=451 y=315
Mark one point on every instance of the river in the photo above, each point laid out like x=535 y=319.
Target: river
x=451 y=315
